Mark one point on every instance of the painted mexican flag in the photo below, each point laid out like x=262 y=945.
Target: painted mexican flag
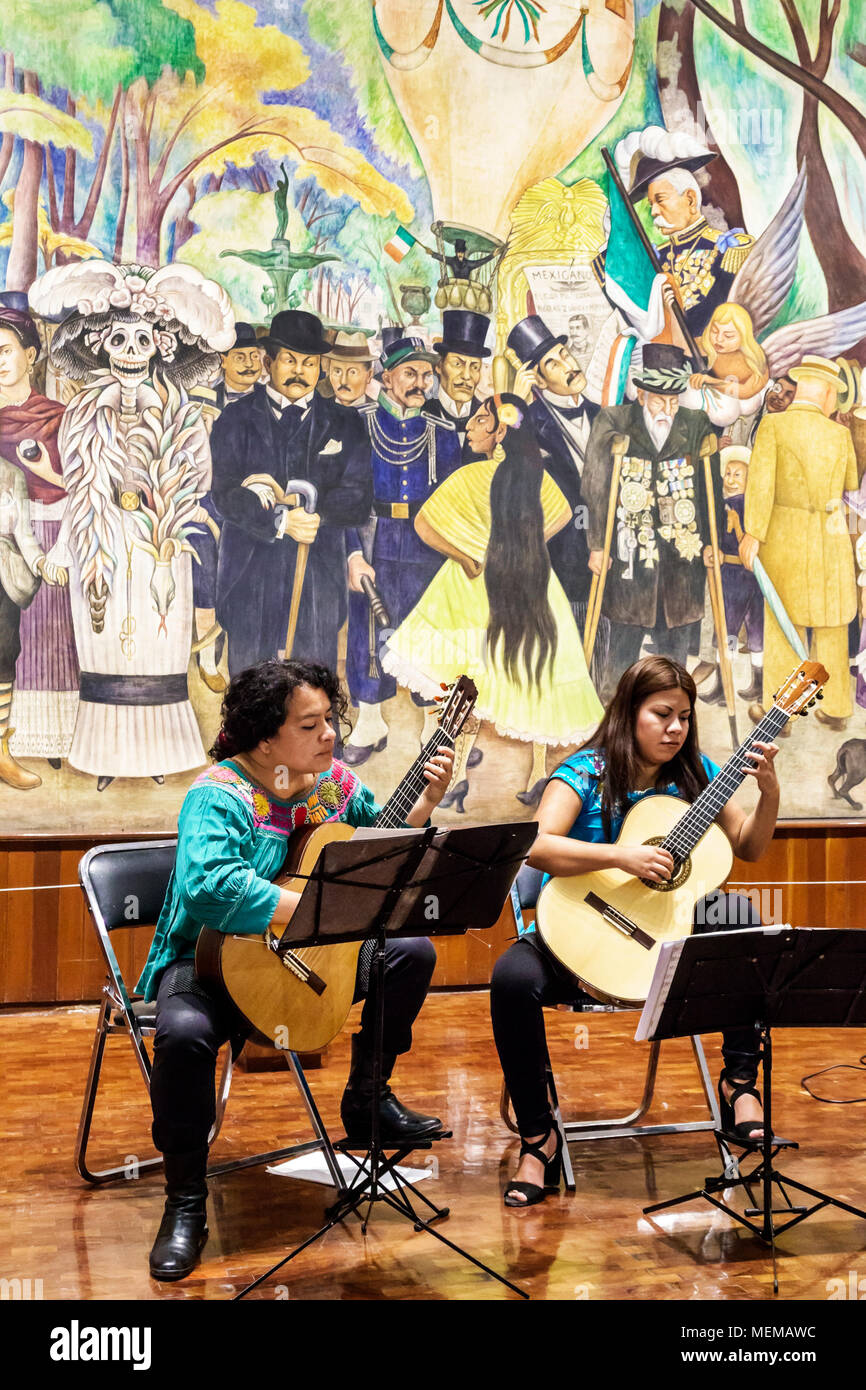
x=401 y=243
x=628 y=271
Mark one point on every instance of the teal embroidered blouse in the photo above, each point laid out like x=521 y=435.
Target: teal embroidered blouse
x=232 y=841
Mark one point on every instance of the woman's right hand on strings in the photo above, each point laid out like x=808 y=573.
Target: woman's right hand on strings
x=646 y=861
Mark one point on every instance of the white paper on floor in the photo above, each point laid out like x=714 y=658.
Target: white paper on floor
x=313 y=1168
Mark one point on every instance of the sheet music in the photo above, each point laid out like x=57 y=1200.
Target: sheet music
x=666 y=965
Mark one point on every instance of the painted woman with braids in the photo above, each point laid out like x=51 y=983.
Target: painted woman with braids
x=495 y=610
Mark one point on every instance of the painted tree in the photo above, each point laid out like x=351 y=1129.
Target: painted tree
x=186 y=126
x=812 y=29
x=89 y=71
x=37 y=124
x=681 y=100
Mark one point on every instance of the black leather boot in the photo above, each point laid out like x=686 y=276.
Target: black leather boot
x=396 y=1122
x=183 y=1231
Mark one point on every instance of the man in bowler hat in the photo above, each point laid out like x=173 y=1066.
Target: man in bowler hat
x=278 y=432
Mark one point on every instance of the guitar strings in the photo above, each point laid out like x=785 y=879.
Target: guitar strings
x=686 y=833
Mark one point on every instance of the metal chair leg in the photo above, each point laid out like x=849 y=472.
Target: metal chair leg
x=222 y=1094
x=567 y=1170
x=103 y=1031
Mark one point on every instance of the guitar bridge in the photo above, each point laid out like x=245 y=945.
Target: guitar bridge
x=617 y=919
x=293 y=962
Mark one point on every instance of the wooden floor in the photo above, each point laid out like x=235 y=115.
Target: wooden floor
x=86 y=1243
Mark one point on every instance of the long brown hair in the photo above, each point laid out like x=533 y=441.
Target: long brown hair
x=517 y=567
x=615 y=736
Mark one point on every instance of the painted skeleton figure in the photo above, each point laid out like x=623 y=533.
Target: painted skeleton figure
x=135 y=459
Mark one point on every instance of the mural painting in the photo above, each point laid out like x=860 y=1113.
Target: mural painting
x=423 y=338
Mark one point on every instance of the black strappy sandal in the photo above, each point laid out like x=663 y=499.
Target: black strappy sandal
x=730 y=1125
x=530 y=1191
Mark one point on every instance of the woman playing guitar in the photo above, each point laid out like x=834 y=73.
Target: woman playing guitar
x=274 y=772
x=647 y=743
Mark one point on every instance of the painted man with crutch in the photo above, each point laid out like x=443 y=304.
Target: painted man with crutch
x=653 y=520
x=282 y=585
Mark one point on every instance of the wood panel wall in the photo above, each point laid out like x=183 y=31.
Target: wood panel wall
x=48 y=950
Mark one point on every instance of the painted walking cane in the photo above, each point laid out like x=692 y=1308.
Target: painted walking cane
x=596 y=592
x=709 y=446
x=298 y=487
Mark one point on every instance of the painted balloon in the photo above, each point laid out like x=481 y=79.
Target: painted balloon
x=498 y=94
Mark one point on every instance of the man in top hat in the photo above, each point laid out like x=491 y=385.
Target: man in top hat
x=279 y=432
x=562 y=417
x=801 y=464
x=461 y=266
x=241 y=368
x=655 y=580
x=411 y=454
x=461 y=351
x=349 y=365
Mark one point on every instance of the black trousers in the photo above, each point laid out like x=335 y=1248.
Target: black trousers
x=527 y=977
x=191 y=1027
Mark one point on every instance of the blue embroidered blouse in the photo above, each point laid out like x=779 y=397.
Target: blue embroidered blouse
x=232 y=841
x=584 y=773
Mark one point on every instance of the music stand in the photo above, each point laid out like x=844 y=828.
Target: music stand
x=772 y=977
x=386 y=883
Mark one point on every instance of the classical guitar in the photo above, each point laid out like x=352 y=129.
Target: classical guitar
x=606 y=927
x=300 y=999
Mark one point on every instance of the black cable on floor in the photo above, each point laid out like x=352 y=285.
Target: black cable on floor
x=837 y=1066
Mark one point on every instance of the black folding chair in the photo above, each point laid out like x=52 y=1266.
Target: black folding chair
x=527 y=887
x=125 y=886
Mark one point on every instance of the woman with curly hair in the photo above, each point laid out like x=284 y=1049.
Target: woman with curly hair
x=274 y=772
x=495 y=610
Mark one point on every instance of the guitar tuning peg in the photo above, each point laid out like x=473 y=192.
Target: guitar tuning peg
x=820 y=695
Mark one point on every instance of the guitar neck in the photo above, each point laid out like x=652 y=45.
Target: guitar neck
x=702 y=813
x=401 y=801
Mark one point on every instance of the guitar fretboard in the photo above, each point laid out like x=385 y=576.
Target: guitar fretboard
x=400 y=803
x=702 y=812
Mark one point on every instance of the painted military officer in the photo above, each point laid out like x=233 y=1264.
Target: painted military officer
x=411 y=454
x=656 y=580
x=283 y=432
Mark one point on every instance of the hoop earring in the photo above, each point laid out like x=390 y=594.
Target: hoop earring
x=498 y=454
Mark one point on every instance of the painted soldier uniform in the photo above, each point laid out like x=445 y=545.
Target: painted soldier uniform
x=411 y=454
x=703 y=261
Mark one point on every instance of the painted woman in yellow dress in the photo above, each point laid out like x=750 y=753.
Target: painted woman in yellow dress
x=495 y=610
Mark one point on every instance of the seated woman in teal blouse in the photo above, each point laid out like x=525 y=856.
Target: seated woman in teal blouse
x=275 y=772
x=646 y=744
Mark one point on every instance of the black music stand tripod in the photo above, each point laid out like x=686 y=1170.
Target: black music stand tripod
x=774 y=977
x=381 y=884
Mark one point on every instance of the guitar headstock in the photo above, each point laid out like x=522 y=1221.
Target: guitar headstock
x=802 y=688
x=457 y=705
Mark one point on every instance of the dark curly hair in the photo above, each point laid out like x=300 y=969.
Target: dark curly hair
x=257 y=701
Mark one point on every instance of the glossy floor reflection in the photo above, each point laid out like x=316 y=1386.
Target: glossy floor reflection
x=595 y=1244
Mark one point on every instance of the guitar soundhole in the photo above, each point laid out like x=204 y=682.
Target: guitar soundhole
x=681 y=871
